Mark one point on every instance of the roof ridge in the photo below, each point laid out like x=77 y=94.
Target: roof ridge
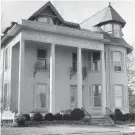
x=93 y=15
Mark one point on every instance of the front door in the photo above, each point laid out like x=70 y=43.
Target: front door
x=41 y=96
x=73 y=96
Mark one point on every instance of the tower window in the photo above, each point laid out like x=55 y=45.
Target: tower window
x=117 y=30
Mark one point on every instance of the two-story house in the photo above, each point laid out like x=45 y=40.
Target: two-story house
x=49 y=64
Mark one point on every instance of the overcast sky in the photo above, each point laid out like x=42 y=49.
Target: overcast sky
x=74 y=11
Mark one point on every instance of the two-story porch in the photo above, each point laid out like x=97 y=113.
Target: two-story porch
x=53 y=68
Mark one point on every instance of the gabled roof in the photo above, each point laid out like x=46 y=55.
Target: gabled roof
x=41 y=10
x=104 y=16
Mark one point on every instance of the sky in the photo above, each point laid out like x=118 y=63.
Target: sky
x=74 y=11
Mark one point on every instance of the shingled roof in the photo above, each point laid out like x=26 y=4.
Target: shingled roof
x=104 y=16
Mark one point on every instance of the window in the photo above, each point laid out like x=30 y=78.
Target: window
x=6 y=59
x=6 y=105
x=94 y=61
x=97 y=95
x=118 y=96
x=74 y=62
x=40 y=96
x=117 y=61
x=117 y=30
x=41 y=56
x=108 y=28
x=73 y=96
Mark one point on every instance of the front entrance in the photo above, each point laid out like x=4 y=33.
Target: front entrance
x=73 y=96
x=41 y=96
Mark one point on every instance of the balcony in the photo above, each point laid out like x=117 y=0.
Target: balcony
x=41 y=65
x=73 y=71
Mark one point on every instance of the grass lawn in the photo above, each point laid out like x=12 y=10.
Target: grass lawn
x=63 y=130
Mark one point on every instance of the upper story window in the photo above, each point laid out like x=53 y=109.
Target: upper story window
x=74 y=62
x=108 y=28
x=94 y=61
x=117 y=61
x=42 y=60
x=113 y=29
x=117 y=30
x=6 y=58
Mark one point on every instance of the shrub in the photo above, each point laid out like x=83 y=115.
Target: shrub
x=86 y=120
x=132 y=116
x=126 y=117
x=66 y=117
x=49 y=117
x=58 y=116
x=118 y=114
x=20 y=120
x=77 y=114
x=27 y=117
x=38 y=116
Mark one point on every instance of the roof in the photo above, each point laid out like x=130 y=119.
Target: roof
x=49 y=9
x=104 y=16
x=118 y=41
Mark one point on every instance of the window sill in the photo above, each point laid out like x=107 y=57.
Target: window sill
x=94 y=71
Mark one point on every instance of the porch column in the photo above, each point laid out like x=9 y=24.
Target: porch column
x=79 y=77
x=21 y=72
x=10 y=72
x=103 y=84
x=52 y=78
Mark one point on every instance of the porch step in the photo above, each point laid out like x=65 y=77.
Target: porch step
x=102 y=120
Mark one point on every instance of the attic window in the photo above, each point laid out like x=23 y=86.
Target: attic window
x=44 y=19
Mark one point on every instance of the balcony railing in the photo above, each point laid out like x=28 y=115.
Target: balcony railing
x=73 y=71
x=41 y=65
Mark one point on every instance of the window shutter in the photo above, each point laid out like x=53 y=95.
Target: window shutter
x=34 y=97
x=125 y=96
x=113 y=97
x=123 y=63
x=90 y=96
x=111 y=59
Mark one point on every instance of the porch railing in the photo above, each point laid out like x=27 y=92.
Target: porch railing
x=109 y=112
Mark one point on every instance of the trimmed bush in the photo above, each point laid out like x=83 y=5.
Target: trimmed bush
x=77 y=114
x=66 y=117
x=38 y=116
x=20 y=120
x=27 y=117
x=119 y=115
x=126 y=117
x=132 y=116
x=49 y=117
x=58 y=116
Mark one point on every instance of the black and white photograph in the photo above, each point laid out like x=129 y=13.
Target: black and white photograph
x=67 y=67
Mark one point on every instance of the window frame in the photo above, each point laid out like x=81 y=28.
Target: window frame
x=121 y=61
x=91 y=62
x=6 y=58
x=34 y=96
x=7 y=98
x=122 y=88
x=42 y=59
x=93 y=105
x=74 y=62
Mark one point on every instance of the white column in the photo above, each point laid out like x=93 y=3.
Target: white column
x=103 y=84
x=21 y=72
x=10 y=73
x=52 y=78
x=79 y=77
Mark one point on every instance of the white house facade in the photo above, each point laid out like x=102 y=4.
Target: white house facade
x=50 y=65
